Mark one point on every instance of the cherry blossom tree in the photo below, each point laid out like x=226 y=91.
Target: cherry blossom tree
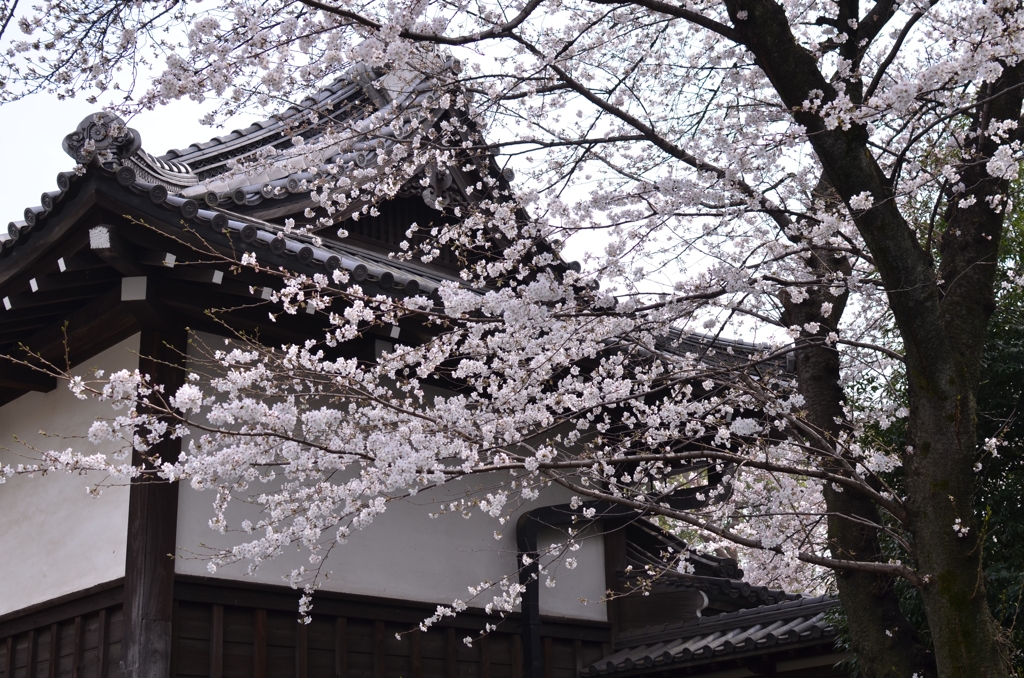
x=801 y=176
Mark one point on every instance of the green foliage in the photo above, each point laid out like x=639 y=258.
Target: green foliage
x=1000 y=481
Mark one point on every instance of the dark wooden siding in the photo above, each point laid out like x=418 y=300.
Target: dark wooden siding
x=388 y=229
x=225 y=631
x=84 y=646
x=233 y=641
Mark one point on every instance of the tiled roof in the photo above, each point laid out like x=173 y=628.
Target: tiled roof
x=188 y=181
x=338 y=100
x=791 y=623
x=351 y=98
x=649 y=548
x=394 y=277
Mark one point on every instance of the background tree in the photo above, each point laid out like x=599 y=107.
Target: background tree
x=751 y=164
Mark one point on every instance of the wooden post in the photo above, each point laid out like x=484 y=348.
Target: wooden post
x=152 y=521
x=615 y=561
x=340 y=647
x=76 y=654
x=30 y=655
x=485 y=657
x=259 y=645
x=217 y=642
x=378 y=649
x=9 y=658
x=451 y=654
x=101 y=645
x=417 y=653
x=517 y=656
x=301 y=654
x=54 y=650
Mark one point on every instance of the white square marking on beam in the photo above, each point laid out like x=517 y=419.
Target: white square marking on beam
x=133 y=289
x=99 y=238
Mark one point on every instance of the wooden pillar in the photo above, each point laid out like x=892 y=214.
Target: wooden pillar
x=485 y=656
x=451 y=654
x=301 y=650
x=615 y=561
x=517 y=656
x=101 y=645
x=9 y=658
x=30 y=655
x=76 y=655
x=416 y=649
x=54 y=650
x=152 y=521
x=217 y=642
x=259 y=645
x=340 y=648
x=378 y=649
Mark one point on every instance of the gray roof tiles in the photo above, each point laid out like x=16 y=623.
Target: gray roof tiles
x=394 y=277
x=201 y=153
x=789 y=623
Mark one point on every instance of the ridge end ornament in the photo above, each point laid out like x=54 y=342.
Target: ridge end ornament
x=104 y=136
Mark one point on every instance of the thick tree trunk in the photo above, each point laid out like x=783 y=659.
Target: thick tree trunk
x=886 y=644
x=941 y=317
x=943 y=410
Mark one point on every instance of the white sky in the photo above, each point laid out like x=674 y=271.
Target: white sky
x=35 y=127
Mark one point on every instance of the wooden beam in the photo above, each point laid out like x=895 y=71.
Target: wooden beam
x=152 y=522
x=88 y=330
x=208 y=276
x=105 y=243
x=84 y=261
x=24 y=378
x=30 y=299
x=140 y=300
x=160 y=259
x=63 y=281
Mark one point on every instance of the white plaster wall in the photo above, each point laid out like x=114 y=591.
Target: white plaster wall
x=55 y=538
x=406 y=554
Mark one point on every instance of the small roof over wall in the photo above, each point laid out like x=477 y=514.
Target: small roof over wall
x=795 y=635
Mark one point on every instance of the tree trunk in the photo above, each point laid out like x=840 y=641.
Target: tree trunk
x=886 y=644
x=941 y=319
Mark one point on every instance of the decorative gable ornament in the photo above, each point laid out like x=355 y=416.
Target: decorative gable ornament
x=103 y=136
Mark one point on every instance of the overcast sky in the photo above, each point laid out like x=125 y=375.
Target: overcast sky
x=34 y=128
